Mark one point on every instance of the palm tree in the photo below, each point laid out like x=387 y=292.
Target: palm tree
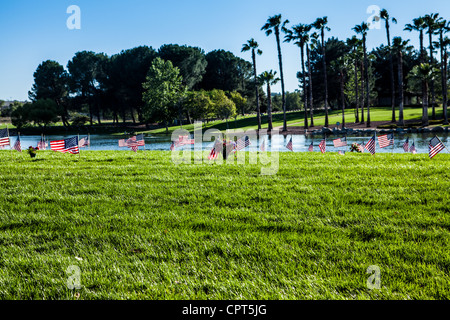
x=269 y=78
x=253 y=46
x=321 y=24
x=400 y=46
x=426 y=73
x=430 y=22
x=444 y=27
x=273 y=25
x=418 y=25
x=300 y=35
x=355 y=44
x=385 y=16
x=309 y=47
x=339 y=65
x=362 y=29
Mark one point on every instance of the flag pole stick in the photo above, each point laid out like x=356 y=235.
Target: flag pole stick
x=443 y=144
x=9 y=141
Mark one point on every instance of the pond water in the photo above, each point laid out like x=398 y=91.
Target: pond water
x=300 y=142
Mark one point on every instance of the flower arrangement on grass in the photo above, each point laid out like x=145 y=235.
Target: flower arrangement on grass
x=355 y=147
x=32 y=151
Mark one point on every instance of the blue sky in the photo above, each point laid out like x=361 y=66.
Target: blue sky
x=34 y=31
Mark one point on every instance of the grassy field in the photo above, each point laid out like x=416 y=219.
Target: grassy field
x=140 y=227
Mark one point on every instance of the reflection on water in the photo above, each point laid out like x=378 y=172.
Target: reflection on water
x=300 y=142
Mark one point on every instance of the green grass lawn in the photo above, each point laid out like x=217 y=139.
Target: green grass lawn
x=140 y=227
x=296 y=119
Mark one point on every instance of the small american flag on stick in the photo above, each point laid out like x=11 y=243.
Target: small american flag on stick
x=370 y=146
x=243 y=143
x=69 y=145
x=311 y=147
x=84 y=142
x=386 y=140
x=290 y=146
x=4 y=137
x=413 y=148
x=342 y=142
x=406 y=145
x=323 y=146
x=17 y=145
x=435 y=147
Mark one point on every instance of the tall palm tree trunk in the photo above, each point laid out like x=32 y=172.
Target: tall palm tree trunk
x=391 y=67
x=432 y=87
x=311 y=100
x=400 y=87
x=342 y=97
x=366 y=71
x=445 y=95
x=356 y=92
x=258 y=108
x=325 y=77
x=269 y=107
x=305 y=94
x=283 y=95
x=425 y=121
x=362 y=91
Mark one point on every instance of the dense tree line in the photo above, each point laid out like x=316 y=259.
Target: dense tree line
x=183 y=83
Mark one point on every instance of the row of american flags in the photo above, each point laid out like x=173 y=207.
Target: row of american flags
x=434 y=147
x=73 y=144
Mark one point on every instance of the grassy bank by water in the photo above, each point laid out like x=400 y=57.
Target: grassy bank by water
x=140 y=227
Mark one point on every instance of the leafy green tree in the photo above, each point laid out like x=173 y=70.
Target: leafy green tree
x=51 y=82
x=269 y=78
x=163 y=88
x=223 y=107
x=190 y=60
x=226 y=72
x=443 y=27
x=239 y=101
x=198 y=105
x=85 y=69
x=253 y=46
x=273 y=25
x=43 y=112
x=20 y=115
x=356 y=52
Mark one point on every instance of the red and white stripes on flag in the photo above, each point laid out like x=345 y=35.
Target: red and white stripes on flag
x=342 y=142
x=84 y=142
x=370 y=146
x=406 y=145
x=243 y=143
x=42 y=145
x=4 y=137
x=290 y=146
x=413 y=148
x=311 y=147
x=323 y=146
x=133 y=143
x=17 y=145
x=386 y=140
x=435 y=147
x=69 y=145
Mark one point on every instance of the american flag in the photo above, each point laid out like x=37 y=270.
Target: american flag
x=386 y=140
x=4 y=137
x=406 y=145
x=243 y=143
x=361 y=148
x=215 y=151
x=323 y=146
x=370 y=146
x=183 y=140
x=311 y=147
x=342 y=153
x=263 y=146
x=435 y=147
x=413 y=148
x=340 y=142
x=134 y=142
x=17 y=145
x=172 y=146
x=42 y=145
x=69 y=145
x=84 y=142
x=290 y=146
